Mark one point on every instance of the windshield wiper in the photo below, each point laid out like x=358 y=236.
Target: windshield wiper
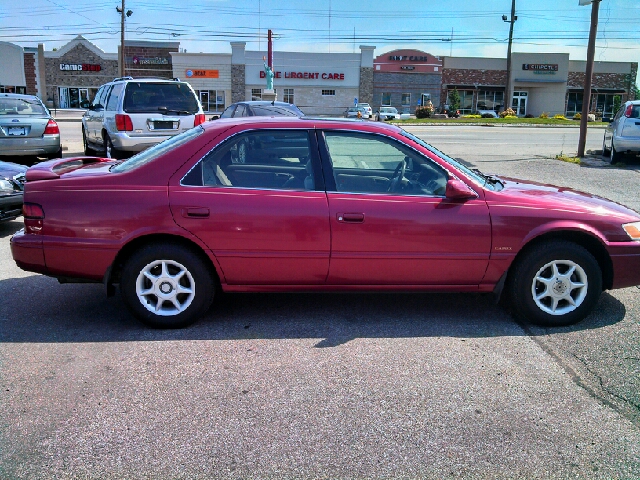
x=179 y=112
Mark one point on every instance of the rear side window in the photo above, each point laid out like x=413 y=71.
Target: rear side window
x=114 y=97
x=170 y=97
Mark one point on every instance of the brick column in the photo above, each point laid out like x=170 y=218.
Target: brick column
x=238 y=65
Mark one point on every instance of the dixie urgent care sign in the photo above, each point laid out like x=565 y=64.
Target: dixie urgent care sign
x=306 y=75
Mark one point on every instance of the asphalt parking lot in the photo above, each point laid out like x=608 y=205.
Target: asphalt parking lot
x=326 y=385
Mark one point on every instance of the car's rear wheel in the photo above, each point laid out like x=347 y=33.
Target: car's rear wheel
x=554 y=284
x=614 y=155
x=605 y=151
x=167 y=285
x=109 y=151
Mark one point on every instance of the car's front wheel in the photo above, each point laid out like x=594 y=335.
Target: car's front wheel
x=555 y=283
x=167 y=285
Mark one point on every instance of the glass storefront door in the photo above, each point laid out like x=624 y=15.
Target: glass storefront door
x=519 y=103
x=71 y=97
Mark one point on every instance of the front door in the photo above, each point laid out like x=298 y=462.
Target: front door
x=64 y=97
x=390 y=221
x=255 y=203
x=204 y=100
x=519 y=103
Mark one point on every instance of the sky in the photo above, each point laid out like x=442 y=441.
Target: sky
x=472 y=28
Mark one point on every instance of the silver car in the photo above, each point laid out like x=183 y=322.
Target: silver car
x=129 y=115
x=27 y=128
x=622 y=135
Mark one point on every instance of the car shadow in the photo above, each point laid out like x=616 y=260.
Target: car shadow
x=36 y=309
x=7 y=229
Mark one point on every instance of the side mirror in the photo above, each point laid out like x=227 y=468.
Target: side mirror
x=214 y=117
x=457 y=190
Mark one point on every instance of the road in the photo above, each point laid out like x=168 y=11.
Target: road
x=326 y=386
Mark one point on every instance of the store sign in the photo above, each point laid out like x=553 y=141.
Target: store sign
x=542 y=68
x=307 y=75
x=80 y=67
x=410 y=58
x=193 y=73
x=150 y=61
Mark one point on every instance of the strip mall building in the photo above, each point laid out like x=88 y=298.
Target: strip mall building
x=323 y=83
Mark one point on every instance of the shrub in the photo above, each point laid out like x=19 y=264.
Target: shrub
x=544 y=115
x=487 y=115
x=473 y=115
x=509 y=112
x=559 y=117
x=424 y=112
x=577 y=116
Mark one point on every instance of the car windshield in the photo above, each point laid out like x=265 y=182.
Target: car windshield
x=154 y=152
x=475 y=175
x=21 y=106
x=170 y=97
x=270 y=110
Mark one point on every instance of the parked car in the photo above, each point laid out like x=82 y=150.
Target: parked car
x=129 y=115
x=11 y=190
x=27 y=128
x=261 y=108
x=488 y=113
x=387 y=113
x=352 y=112
x=318 y=205
x=622 y=135
x=367 y=110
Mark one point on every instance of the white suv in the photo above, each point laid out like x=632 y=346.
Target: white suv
x=129 y=115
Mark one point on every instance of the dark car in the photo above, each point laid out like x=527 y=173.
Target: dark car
x=11 y=190
x=260 y=108
x=318 y=205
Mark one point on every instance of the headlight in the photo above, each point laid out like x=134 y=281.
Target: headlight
x=633 y=230
x=6 y=186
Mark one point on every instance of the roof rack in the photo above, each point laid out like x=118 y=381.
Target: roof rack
x=122 y=78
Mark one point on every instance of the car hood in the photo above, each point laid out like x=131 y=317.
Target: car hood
x=10 y=170
x=561 y=199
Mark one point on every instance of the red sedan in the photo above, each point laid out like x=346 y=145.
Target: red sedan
x=273 y=204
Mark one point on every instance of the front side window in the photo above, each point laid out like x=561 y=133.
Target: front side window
x=367 y=163
x=266 y=159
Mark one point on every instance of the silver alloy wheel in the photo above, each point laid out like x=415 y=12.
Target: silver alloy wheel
x=165 y=287
x=559 y=287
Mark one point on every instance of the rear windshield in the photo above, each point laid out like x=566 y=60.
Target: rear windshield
x=172 y=97
x=272 y=110
x=21 y=106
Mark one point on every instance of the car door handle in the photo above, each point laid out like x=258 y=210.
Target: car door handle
x=351 y=217
x=195 y=212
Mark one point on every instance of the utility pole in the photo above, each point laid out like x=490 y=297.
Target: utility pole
x=128 y=13
x=586 y=96
x=507 y=91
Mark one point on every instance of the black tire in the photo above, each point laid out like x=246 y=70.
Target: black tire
x=551 y=307
x=614 y=156
x=108 y=150
x=58 y=154
x=605 y=150
x=90 y=152
x=160 y=303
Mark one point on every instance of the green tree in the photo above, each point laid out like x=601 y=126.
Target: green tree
x=635 y=91
x=617 y=101
x=454 y=100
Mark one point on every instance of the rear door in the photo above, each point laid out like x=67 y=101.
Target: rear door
x=390 y=221
x=263 y=214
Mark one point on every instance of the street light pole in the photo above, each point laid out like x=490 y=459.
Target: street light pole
x=122 y=13
x=507 y=92
x=586 y=96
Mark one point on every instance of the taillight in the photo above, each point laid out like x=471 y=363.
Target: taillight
x=51 y=128
x=199 y=119
x=627 y=112
x=32 y=210
x=123 y=123
x=33 y=215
